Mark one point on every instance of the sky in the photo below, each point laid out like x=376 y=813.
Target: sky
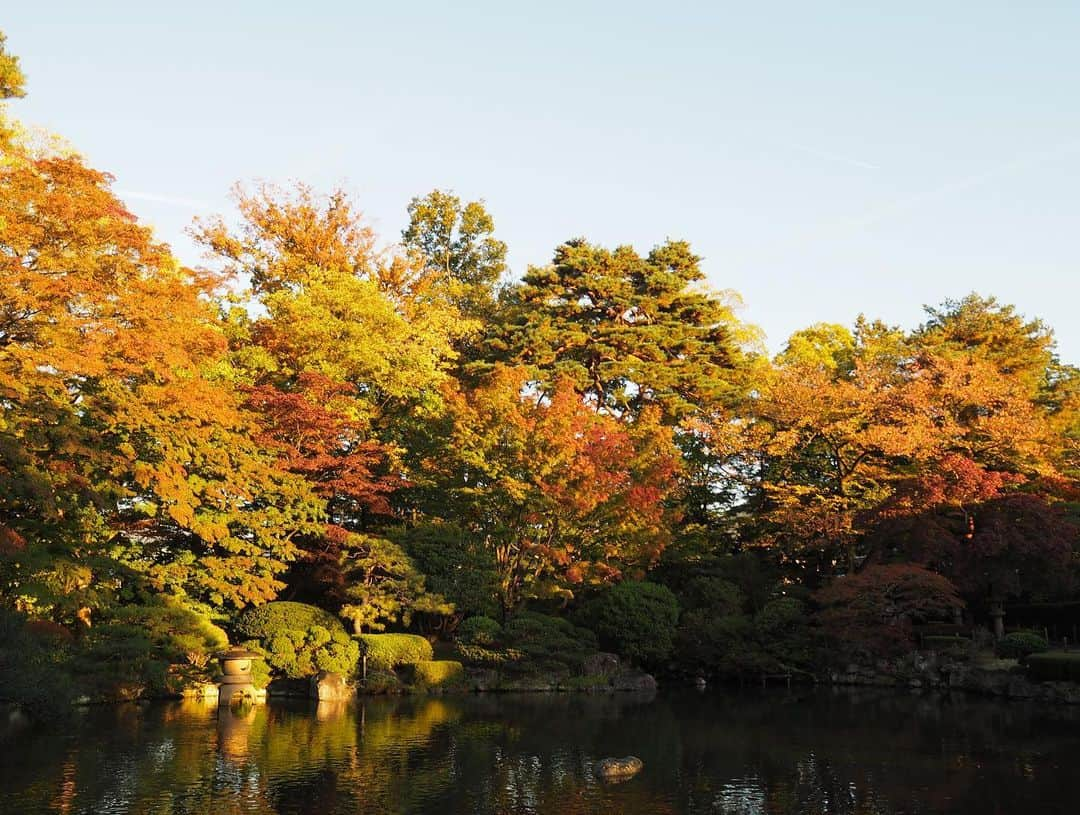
x=825 y=159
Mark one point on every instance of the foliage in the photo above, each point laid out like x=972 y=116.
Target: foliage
x=455 y=566
x=440 y=673
x=267 y=621
x=12 y=80
x=1020 y=644
x=384 y=652
x=456 y=241
x=479 y=630
x=629 y=331
x=636 y=619
x=547 y=643
x=300 y=640
x=1054 y=666
x=557 y=494
x=381 y=584
x=871 y=612
x=34 y=671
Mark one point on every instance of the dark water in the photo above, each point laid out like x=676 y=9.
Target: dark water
x=714 y=752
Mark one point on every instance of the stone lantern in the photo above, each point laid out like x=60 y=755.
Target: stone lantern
x=236 y=665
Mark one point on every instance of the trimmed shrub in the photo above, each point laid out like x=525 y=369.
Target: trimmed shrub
x=267 y=621
x=481 y=657
x=300 y=640
x=479 y=630
x=952 y=646
x=385 y=652
x=382 y=682
x=437 y=673
x=1020 y=644
x=636 y=619
x=547 y=643
x=1054 y=665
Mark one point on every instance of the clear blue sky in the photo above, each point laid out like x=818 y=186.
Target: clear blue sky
x=824 y=158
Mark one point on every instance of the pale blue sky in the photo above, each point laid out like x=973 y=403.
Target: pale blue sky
x=824 y=158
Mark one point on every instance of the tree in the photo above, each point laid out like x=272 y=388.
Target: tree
x=870 y=613
x=353 y=342
x=12 y=80
x=559 y=494
x=127 y=455
x=628 y=331
x=456 y=242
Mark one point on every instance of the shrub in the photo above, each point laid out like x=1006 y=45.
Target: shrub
x=382 y=682
x=385 y=652
x=34 y=675
x=1020 y=644
x=481 y=657
x=439 y=673
x=300 y=640
x=869 y=613
x=636 y=619
x=1054 y=665
x=267 y=621
x=547 y=643
x=479 y=630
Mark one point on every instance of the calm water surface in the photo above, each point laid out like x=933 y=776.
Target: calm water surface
x=714 y=752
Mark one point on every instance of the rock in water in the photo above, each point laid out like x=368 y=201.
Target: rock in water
x=619 y=769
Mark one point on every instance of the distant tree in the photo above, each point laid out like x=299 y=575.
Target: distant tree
x=628 y=331
x=457 y=241
x=12 y=80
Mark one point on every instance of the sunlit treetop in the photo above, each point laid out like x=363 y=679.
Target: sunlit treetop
x=12 y=79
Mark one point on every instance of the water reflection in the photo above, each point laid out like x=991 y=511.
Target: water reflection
x=863 y=753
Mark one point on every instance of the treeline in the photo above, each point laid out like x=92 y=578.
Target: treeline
x=404 y=435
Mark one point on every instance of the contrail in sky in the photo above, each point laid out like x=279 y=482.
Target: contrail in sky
x=169 y=200
x=900 y=205
x=822 y=154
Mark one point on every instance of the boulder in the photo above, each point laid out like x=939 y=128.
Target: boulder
x=634 y=682
x=601 y=664
x=330 y=687
x=619 y=769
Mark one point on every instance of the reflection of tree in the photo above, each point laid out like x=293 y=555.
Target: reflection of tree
x=851 y=753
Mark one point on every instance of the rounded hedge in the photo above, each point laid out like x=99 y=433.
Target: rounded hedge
x=638 y=619
x=266 y=621
x=440 y=673
x=300 y=640
x=385 y=652
x=1020 y=644
x=479 y=630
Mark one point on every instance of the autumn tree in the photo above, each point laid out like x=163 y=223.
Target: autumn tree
x=12 y=81
x=559 y=494
x=128 y=460
x=456 y=242
x=353 y=341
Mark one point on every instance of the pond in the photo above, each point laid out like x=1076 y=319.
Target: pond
x=726 y=752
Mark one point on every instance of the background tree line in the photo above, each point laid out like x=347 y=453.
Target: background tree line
x=405 y=435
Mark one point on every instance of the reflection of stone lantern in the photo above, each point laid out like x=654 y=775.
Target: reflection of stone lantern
x=237 y=681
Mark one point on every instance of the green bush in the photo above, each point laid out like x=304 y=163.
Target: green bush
x=300 y=640
x=1054 y=665
x=378 y=682
x=440 y=673
x=479 y=630
x=266 y=621
x=34 y=675
x=945 y=643
x=385 y=652
x=1020 y=644
x=547 y=643
x=480 y=657
x=636 y=619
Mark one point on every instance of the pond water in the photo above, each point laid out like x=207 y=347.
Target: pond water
x=725 y=752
